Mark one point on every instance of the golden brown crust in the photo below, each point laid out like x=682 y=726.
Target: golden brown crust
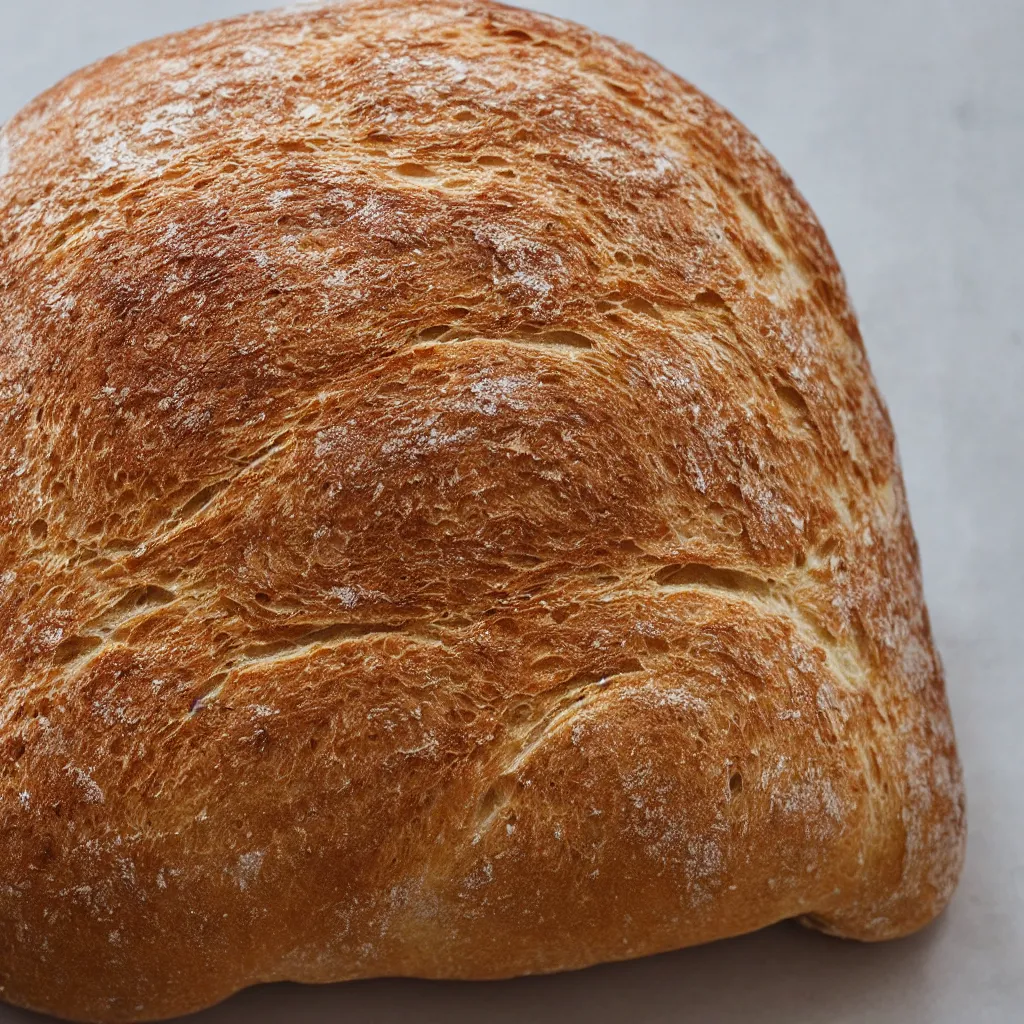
x=449 y=524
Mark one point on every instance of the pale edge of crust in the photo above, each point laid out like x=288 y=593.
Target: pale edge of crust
x=449 y=525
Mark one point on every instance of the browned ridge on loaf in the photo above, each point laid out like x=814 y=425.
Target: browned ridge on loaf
x=449 y=526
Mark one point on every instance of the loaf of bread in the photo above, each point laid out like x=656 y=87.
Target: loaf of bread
x=449 y=526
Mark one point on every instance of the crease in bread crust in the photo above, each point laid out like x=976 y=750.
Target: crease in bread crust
x=450 y=527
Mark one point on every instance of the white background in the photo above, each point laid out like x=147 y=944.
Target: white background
x=903 y=123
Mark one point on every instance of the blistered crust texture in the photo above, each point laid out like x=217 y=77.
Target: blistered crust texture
x=449 y=527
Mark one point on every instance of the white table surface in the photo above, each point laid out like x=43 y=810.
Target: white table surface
x=903 y=123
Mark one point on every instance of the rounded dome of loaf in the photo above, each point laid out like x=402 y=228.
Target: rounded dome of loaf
x=449 y=524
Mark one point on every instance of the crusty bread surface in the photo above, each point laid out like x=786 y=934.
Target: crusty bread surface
x=449 y=526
